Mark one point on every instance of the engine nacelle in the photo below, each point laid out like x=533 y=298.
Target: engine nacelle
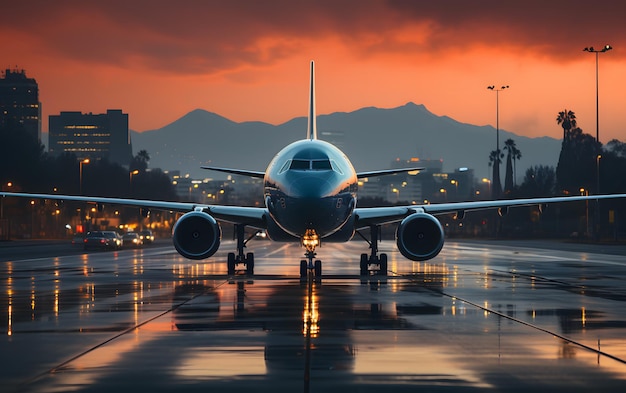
x=196 y=235
x=420 y=237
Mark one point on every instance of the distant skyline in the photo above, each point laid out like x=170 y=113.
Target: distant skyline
x=248 y=60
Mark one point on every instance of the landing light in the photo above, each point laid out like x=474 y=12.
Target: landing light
x=310 y=240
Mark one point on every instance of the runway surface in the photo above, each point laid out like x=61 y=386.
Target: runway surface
x=515 y=316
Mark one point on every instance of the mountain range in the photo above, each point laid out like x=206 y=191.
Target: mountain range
x=371 y=137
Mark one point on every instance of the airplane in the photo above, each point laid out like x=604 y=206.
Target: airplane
x=310 y=192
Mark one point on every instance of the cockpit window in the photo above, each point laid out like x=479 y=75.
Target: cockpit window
x=336 y=167
x=285 y=166
x=315 y=165
x=300 y=164
x=321 y=165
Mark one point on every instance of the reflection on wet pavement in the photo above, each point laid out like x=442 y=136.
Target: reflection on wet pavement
x=476 y=318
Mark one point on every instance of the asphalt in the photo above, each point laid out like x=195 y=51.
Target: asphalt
x=482 y=316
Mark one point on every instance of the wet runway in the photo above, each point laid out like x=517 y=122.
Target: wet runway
x=480 y=317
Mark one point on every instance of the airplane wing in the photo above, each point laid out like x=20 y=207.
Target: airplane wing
x=242 y=172
x=385 y=215
x=384 y=172
x=251 y=216
x=360 y=175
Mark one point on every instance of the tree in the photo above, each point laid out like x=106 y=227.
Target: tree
x=513 y=154
x=613 y=168
x=577 y=162
x=21 y=157
x=539 y=181
x=140 y=161
x=567 y=120
x=495 y=158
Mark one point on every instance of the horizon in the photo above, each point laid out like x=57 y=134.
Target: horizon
x=159 y=61
x=321 y=115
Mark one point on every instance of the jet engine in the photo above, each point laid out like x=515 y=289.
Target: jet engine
x=420 y=237
x=196 y=235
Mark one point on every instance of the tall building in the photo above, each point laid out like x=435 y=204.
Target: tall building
x=100 y=136
x=19 y=102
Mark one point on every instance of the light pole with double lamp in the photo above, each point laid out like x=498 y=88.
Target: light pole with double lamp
x=597 y=52
x=496 y=182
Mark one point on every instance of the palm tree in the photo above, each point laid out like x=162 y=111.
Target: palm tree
x=516 y=155
x=513 y=154
x=495 y=158
x=143 y=156
x=567 y=120
x=140 y=161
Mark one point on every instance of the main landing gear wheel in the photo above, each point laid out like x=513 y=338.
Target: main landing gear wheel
x=233 y=260
x=240 y=258
x=231 y=263
x=374 y=259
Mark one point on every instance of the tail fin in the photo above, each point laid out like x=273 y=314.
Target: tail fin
x=312 y=128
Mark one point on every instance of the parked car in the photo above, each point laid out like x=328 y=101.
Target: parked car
x=146 y=236
x=132 y=239
x=101 y=239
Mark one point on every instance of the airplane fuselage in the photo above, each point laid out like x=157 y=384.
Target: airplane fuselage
x=310 y=185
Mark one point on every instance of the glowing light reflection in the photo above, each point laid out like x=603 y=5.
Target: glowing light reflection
x=310 y=316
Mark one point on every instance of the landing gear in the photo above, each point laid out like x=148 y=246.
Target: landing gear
x=310 y=240
x=240 y=258
x=374 y=259
x=315 y=266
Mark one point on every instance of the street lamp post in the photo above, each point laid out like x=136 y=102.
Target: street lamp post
x=497 y=113
x=132 y=173
x=597 y=52
x=456 y=188
x=496 y=182
x=80 y=174
x=590 y=49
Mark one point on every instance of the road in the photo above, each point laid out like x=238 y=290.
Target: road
x=482 y=316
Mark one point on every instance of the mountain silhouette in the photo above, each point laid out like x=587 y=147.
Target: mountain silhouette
x=371 y=137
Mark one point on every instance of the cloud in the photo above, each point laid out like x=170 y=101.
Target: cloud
x=207 y=37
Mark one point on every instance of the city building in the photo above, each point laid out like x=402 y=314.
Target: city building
x=429 y=185
x=93 y=136
x=235 y=190
x=19 y=102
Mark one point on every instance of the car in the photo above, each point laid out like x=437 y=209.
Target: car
x=78 y=240
x=132 y=239
x=146 y=236
x=261 y=235
x=101 y=240
x=115 y=238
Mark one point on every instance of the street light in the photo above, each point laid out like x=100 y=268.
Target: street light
x=7 y=188
x=132 y=173
x=497 y=113
x=488 y=183
x=590 y=49
x=80 y=174
x=456 y=186
x=585 y=192
x=497 y=90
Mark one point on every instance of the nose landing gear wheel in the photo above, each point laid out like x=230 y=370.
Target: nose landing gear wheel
x=318 y=269
x=314 y=267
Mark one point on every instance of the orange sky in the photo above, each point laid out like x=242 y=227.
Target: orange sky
x=248 y=60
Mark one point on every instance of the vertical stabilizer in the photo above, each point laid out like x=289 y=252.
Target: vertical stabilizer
x=312 y=128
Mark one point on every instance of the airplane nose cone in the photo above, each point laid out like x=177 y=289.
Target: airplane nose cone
x=310 y=187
